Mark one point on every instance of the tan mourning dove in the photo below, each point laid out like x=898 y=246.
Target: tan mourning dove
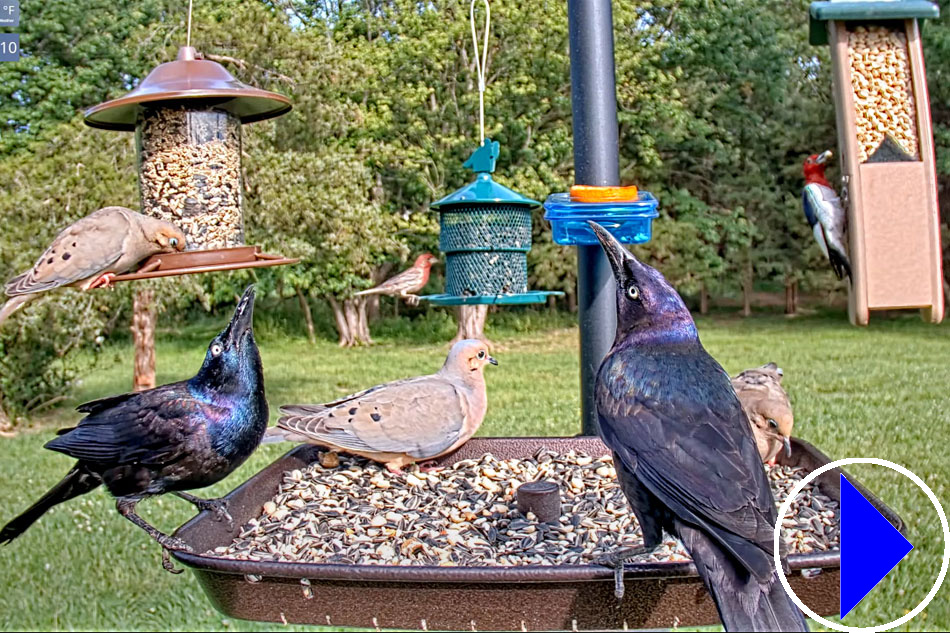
x=766 y=403
x=90 y=252
x=400 y=422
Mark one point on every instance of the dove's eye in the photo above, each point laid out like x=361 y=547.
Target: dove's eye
x=633 y=292
x=216 y=349
x=173 y=241
x=481 y=354
x=773 y=423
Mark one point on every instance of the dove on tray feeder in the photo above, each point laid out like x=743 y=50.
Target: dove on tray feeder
x=90 y=252
x=684 y=451
x=770 y=413
x=401 y=422
x=406 y=283
x=170 y=439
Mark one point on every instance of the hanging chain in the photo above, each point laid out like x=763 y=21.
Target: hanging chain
x=188 y=41
x=481 y=63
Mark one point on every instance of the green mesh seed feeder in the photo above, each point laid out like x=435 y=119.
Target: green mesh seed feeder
x=485 y=238
x=485 y=227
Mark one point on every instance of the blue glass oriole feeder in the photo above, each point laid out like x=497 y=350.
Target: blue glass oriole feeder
x=485 y=237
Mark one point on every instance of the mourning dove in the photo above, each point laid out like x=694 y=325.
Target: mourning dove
x=766 y=403
x=90 y=252
x=400 y=422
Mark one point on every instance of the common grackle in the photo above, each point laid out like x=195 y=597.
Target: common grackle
x=173 y=438
x=684 y=450
x=400 y=422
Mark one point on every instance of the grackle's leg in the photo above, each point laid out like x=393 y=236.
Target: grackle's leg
x=616 y=559
x=126 y=508
x=218 y=506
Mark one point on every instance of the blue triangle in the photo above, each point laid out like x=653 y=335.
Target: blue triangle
x=870 y=547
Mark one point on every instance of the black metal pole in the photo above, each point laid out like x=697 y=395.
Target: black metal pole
x=596 y=162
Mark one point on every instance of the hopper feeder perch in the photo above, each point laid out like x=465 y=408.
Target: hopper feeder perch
x=187 y=117
x=485 y=235
x=885 y=141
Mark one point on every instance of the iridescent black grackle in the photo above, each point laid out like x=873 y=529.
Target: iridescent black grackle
x=684 y=450
x=173 y=438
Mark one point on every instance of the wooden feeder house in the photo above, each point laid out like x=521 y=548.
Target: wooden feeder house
x=485 y=235
x=187 y=117
x=885 y=141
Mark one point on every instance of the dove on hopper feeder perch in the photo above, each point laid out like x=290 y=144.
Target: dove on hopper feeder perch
x=91 y=252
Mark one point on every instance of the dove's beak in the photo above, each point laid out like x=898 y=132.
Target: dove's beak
x=788 y=446
x=823 y=157
x=492 y=361
x=243 y=320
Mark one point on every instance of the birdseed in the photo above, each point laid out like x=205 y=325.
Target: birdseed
x=190 y=173
x=466 y=515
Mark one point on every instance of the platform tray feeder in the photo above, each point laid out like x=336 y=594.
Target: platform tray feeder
x=885 y=143
x=523 y=597
x=187 y=116
x=485 y=237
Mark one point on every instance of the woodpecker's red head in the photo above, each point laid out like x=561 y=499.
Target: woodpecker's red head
x=425 y=261
x=814 y=168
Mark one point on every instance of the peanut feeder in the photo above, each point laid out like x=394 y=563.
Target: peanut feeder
x=187 y=117
x=885 y=142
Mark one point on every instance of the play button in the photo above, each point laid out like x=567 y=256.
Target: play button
x=883 y=547
x=870 y=547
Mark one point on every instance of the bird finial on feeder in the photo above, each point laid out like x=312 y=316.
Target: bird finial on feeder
x=482 y=160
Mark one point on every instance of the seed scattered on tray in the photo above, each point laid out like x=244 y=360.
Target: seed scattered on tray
x=466 y=514
x=190 y=173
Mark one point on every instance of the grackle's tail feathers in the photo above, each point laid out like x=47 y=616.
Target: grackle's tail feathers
x=78 y=481
x=744 y=602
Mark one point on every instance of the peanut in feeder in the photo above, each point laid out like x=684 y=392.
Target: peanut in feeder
x=885 y=141
x=187 y=116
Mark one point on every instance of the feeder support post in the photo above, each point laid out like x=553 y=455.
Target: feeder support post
x=596 y=162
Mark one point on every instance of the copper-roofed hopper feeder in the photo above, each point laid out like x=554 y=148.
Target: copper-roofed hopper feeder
x=187 y=116
x=885 y=138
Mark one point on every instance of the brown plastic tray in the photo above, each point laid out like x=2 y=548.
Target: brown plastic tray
x=205 y=261
x=658 y=595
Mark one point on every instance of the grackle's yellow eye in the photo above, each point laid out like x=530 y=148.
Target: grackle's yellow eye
x=216 y=350
x=633 y=292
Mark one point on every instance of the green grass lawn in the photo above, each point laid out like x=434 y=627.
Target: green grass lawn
x=876 y=392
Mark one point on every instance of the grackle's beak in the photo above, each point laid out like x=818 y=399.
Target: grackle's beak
x=617 y=255
x=492 y=361
x=788 y=446
x=823 y=157
x=242 y=321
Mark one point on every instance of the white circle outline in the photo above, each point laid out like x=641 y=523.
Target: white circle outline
x=797 y=490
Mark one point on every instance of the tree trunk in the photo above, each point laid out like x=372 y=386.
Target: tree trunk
x=791 y=296
x=307 y=316
x=703 y=299
x=351 y=321
x=472 y=323
x=571 y=302
x=144 y=318
x=747 y=279
x=380 y=275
